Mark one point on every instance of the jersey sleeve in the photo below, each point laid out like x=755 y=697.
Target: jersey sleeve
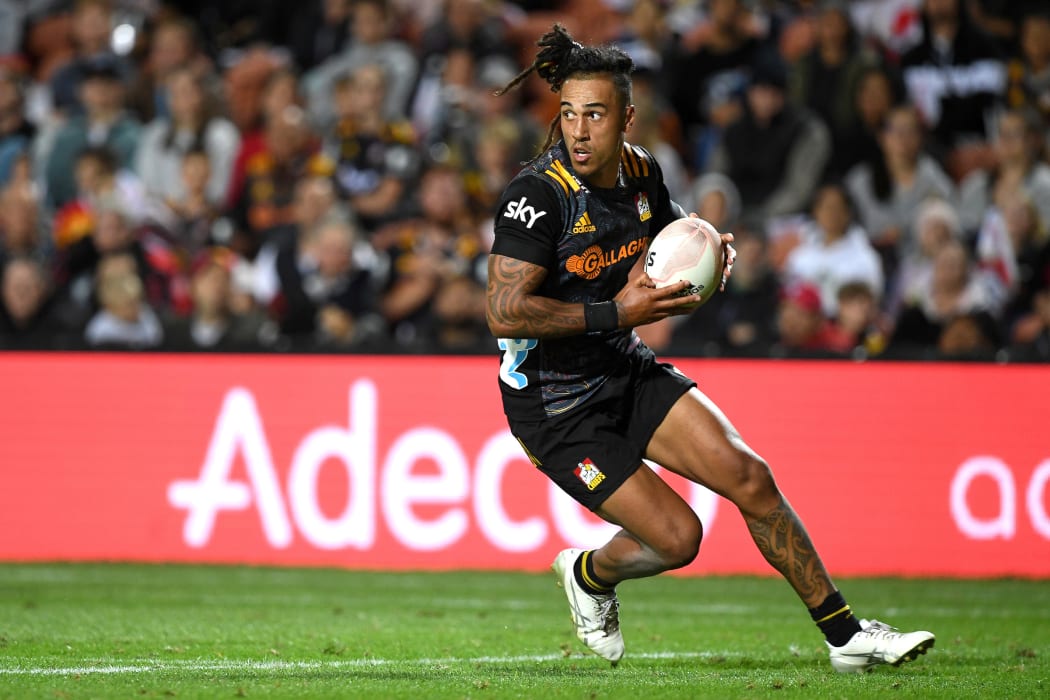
x=528 y=222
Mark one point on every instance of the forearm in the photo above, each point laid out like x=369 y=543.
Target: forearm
x=532 y=316
x=515 y=312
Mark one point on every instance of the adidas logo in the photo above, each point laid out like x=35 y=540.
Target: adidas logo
x=584 y=225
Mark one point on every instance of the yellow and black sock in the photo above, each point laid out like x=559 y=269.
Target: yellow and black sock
x=583 y=569
x=835 y=619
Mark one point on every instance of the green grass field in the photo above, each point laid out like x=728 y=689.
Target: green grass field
x=122 y=631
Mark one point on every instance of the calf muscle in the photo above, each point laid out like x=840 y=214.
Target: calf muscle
x=783 y=541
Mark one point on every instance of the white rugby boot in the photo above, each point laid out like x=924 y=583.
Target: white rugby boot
x=877 y=643
x=596 y=617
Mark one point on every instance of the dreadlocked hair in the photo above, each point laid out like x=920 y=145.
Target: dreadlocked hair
x=561 y=57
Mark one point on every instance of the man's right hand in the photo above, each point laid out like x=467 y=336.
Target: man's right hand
x=640 y=302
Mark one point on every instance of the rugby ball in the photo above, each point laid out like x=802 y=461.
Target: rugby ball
x=687 y=249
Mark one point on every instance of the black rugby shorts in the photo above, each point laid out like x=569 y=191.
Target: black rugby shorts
x=593 y=448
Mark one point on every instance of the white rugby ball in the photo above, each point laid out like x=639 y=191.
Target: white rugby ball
x=687 y=249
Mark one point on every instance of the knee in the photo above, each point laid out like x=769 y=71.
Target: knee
x=681 y=545
x=753 y=487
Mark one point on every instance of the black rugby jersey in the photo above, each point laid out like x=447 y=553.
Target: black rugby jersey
x=588 y=238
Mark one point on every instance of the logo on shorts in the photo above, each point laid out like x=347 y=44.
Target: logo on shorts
x=589 y=474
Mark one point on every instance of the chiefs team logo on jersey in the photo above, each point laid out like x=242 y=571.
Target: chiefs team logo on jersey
x=642 y=202
x=590 y=263
x=587 y=472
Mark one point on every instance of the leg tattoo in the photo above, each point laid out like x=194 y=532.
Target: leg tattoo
x=783 y=541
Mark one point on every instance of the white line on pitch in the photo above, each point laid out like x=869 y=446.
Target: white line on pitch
x=150 y=666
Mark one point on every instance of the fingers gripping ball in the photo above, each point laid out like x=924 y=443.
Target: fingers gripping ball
x=687 y=249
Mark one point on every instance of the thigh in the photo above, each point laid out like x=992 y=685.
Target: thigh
x=650 y=510
x=697 y=441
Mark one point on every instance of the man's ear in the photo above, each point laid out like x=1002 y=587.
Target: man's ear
x=628 y=118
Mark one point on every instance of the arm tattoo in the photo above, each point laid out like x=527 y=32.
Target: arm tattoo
x=515 y=312
x=784 y=543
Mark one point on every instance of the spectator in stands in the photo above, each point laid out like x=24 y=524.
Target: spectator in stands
x=214 y=324
x=247 y=82
x=474 y=25
x=774 y=153
x=956 y=78
x=449 y=110
x=91 y=27
x=372 y=42
x=492 y=164
x=191 y=126
x=802 y=327
x=1031 y=239
x=319 y=30
x=647 y=39
x=324 y=296
x=100 y=180
x=16 y=131
x=955 y=287
x=711 y=75
x=374 y=154
x=112 y=232
x=278 y=90
x=1028 y=73
x=28 y=314
x=314 y=202
x=936 y=224
x=492 y=74
x=192 y=213
x=973 y=335
x=876 y=94
x=834 y=250
x=292 y=152
x=103 y=123
x=717 y=200
x=20 y=226
x=456 y=323
x=173 y=45
x=448 y=128
x=424 y=252
x=826 y=79
x=1014 y=244
x=888 y=191
x=124 y=320
x=1019 y=169
x=864 y=329
x=1031 y=338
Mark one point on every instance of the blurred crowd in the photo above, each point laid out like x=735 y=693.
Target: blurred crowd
x=322 y=175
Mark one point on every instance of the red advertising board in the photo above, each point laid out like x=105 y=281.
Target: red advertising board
x=406 y=463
